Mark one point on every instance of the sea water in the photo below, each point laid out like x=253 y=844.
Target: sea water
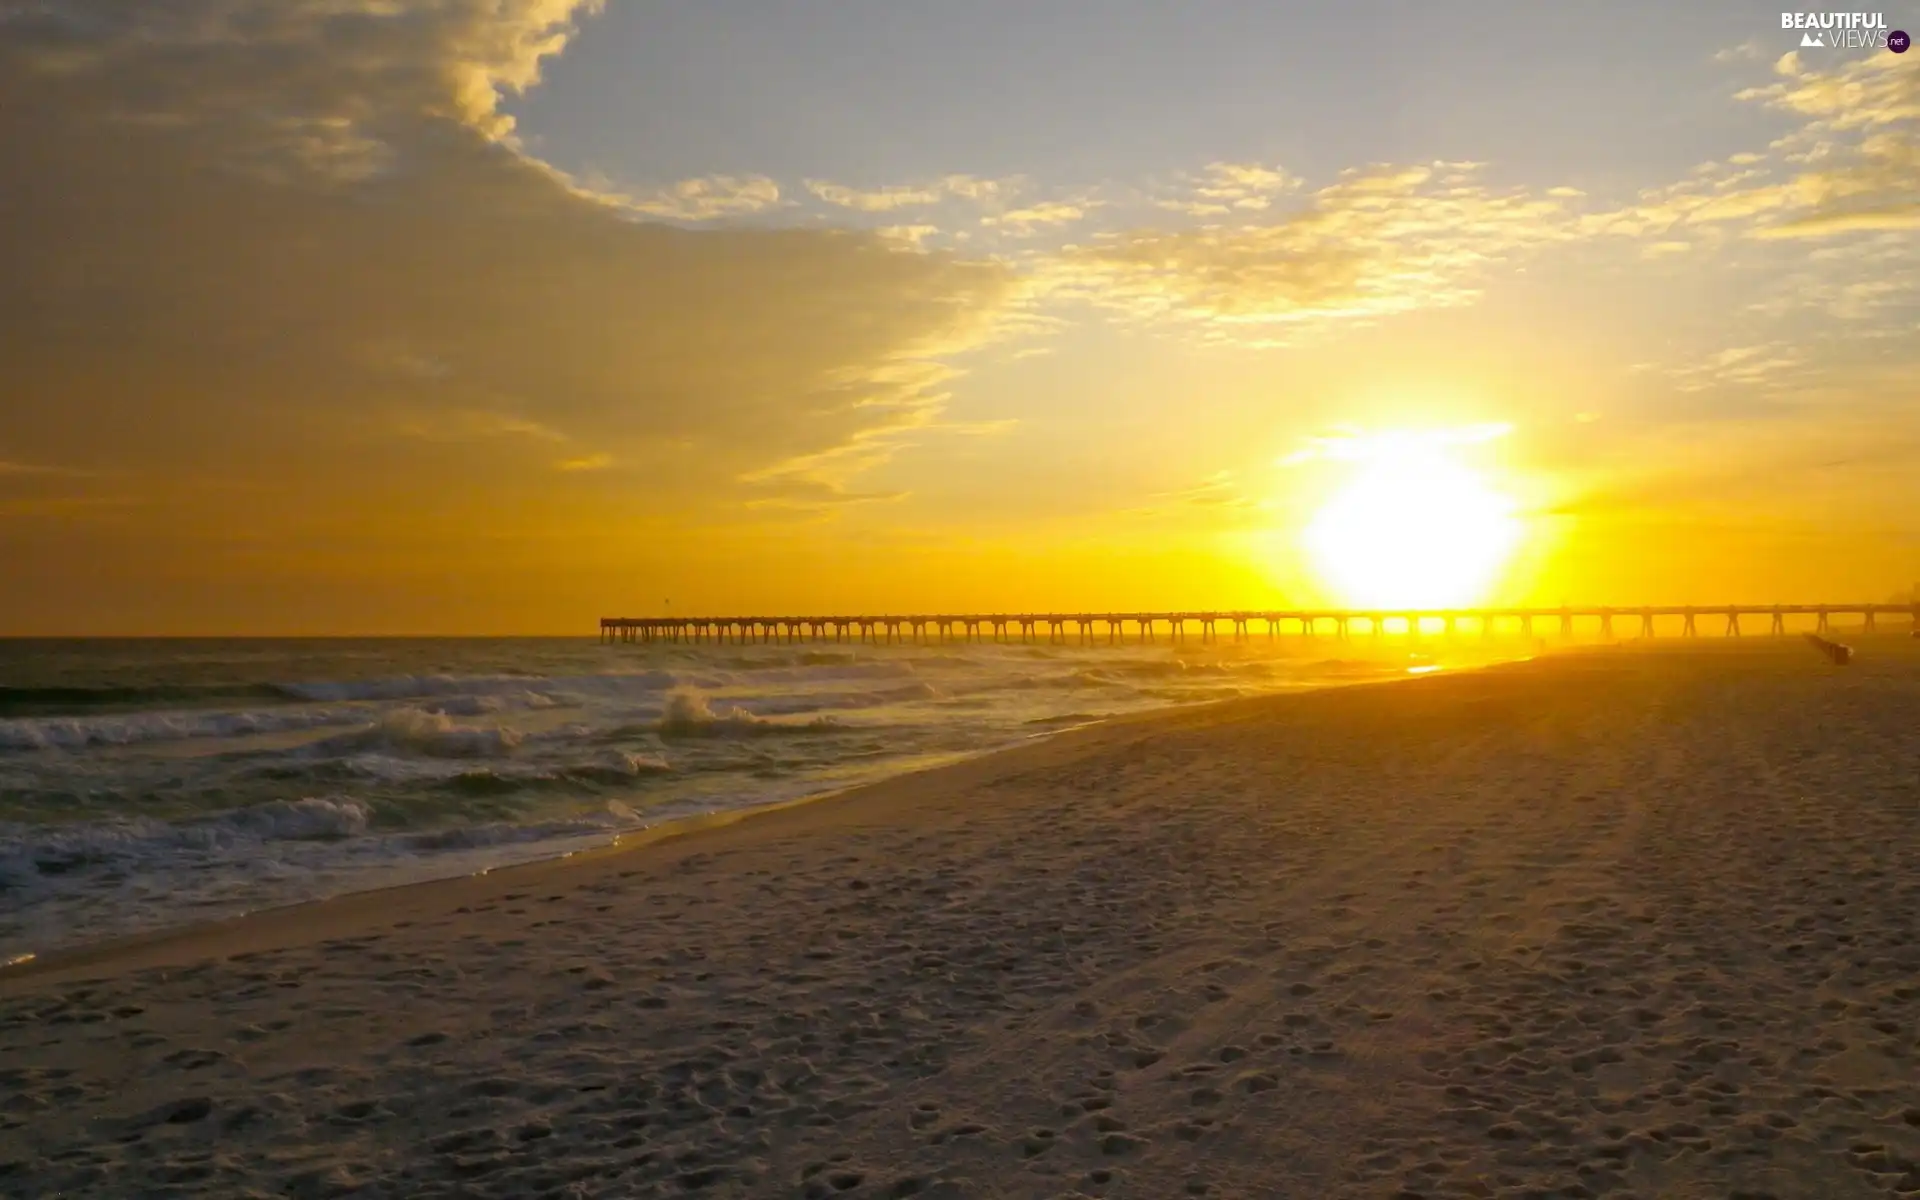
x=150 y=783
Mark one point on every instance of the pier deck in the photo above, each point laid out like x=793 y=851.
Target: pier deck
x=1088 y=628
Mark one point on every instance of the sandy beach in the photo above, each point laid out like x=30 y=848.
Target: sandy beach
x=1615 y=923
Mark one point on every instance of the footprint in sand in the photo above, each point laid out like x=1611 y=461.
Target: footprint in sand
x=1116 y=1144
x=963 y=1129
x=193 y=1060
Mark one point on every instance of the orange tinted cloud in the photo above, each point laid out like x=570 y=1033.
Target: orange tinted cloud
x=296 y=250
x=252 y=231
x=1377 y=241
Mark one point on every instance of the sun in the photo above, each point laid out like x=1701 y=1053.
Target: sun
x=1412 y=528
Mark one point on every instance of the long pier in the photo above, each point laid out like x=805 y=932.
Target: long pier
x=1086 y=628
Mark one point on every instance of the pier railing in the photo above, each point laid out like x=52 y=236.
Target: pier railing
x=1087 y=628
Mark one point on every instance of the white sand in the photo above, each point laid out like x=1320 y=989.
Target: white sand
x=1621 y=924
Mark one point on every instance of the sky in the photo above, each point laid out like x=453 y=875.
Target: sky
x=499 y=316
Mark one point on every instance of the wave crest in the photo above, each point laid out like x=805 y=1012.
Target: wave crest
x=688 y=714
x=427 y=733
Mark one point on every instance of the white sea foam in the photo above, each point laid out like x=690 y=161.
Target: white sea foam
x=436 y=735
x=689 y=714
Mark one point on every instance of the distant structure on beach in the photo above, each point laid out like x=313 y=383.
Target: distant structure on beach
x=1088 y=628
x=1836 y=653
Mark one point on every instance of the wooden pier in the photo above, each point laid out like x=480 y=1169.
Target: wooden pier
x=1089 y=628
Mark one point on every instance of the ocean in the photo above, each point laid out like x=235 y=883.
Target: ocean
x=152 y=783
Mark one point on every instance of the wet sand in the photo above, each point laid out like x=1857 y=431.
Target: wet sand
x=1620 y=923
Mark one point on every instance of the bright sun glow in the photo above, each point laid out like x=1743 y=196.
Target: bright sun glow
x=1413 y=527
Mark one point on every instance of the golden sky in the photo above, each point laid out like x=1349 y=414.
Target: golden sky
x=496 y=316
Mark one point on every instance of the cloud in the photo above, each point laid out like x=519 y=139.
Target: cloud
x=1897 y=217
x=1821 y=454
x=1219 y=490
x=8 y=467
x=1041 y=214
x=1194 y=208
x=1228 y=186
x=1869 y=298
x=66 y=508
x=1231 y=178
x=1217 y=498
x=884 y=199
x=1864 y=92
x=825 y=478
x=254 y=238
x=1741 y=366
x=1818 y=224
x=1852 y=166
x=888 y=199
x=708 y=198
x=972 y=187
x=1377 y=241
x=914 y=236
x=465 y=424
x=39 y=490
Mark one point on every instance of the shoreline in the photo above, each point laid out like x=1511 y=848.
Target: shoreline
x=141 y=944
x=327 y=908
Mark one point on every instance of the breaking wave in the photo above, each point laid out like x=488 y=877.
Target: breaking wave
x=688 y=715
x=433 y=734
